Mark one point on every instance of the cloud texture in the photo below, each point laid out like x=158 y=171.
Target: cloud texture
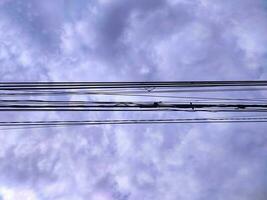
x=132 y=40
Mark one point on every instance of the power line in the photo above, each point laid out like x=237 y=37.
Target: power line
x=9 y=125
x=108 y=85
x=130 y=94
x=67 y=91
x=131 y=106
x=140 y=89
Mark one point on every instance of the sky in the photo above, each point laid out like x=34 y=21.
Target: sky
x=133 y=40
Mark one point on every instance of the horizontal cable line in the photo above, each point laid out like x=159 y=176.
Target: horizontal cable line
x=90 y=92
x=103 y=85
x=144 y=89
x=127 y=110
x=185 y=100
x=260 y=87
x=47 y=124
x=133 y=95
x=53 y=122
x=137 y=83
x=210 y=122
x=17 y=123
x=135 y=106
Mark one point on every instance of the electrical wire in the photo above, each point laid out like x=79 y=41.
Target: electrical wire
x=144 y=89
x=9 y=125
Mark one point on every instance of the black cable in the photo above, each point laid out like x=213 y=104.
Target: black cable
x=190 y=83
x=47 y=124
x=5 y=102
x=189 y=105
x=107 y=85
x=128 y=104
x=110 y=92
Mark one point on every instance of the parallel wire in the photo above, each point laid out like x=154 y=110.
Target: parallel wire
x=48 y=124
x=197 y=98
x=127 y=106
x=5 y=102
x=134 y=84
x=145 y=89
x=130 y=90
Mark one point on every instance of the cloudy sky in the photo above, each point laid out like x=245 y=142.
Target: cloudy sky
x=133 y=40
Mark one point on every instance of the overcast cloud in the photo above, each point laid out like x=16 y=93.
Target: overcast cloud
x=133 y=40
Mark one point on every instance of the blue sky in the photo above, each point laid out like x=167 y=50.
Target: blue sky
x=133 y=40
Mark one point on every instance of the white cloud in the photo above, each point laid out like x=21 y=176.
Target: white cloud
x=133 y=40
x=13 y=194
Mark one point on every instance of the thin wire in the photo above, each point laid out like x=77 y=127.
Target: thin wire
x=139 y=84
x=53 y=122
x=135 y=91
x=121 y=104
x=48 y=124
x=30 y=102
x=132 y=95
x=128 y=93
x=176 y=97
